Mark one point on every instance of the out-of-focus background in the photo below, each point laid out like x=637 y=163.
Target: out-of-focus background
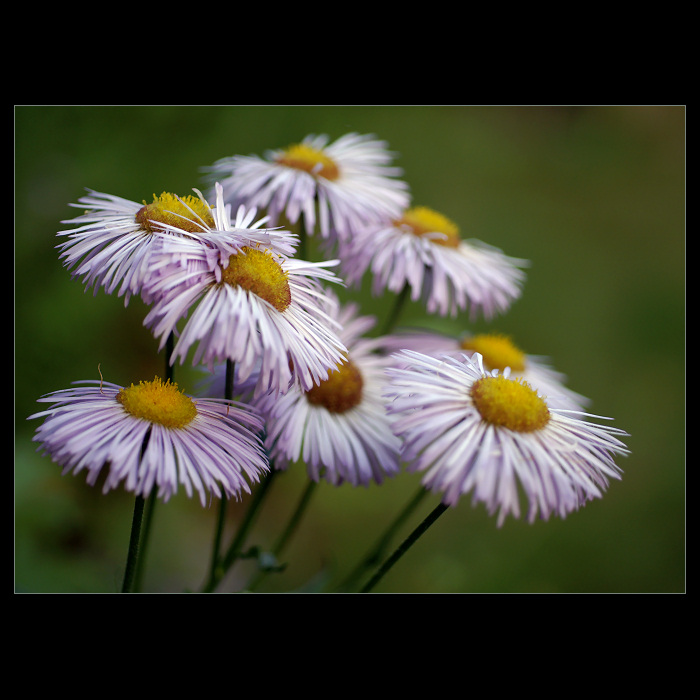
x=593 y=196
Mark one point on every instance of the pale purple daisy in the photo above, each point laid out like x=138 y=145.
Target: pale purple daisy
x=258 y=308
x=339 y=428
x=497 y=352
x=153 y=436
x=113 y=244
x=483 y=432
x=337 y=187
x=421 y=250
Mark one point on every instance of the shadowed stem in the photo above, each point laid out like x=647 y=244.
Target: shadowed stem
x=377 y=553
x=132 y=558
x=395 y=311
x=303 y=248
x=214 y=573
x=404 y=547
x=145 y=536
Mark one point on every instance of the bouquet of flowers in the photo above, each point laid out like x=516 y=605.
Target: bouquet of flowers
x=295 y=377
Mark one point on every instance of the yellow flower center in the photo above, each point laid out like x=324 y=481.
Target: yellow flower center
x=174 y=211
x=303 y=157
x=422 y=220
x=258 y=272
x=341 y=391
x=158 y=402
x=509 y=403
x=497 y=350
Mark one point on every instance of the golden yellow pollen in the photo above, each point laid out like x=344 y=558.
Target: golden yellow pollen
x=497 y=350
x=422 y=220
x=175 y=211
x=158 y=402
x=258 y=272
x=341 y=391
x=509 y=403
x=303 y=157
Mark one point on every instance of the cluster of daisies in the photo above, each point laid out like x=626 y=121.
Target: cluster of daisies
x=296 y=375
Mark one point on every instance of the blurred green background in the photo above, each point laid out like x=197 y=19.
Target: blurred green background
x=593 y=196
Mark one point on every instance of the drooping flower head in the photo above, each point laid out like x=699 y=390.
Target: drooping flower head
x=498 y=352
x=256 y=307
x=153 y=436
x=337 y=187
x=422 y=249
x=339 y=428
x=487 y=433
x=113 y=245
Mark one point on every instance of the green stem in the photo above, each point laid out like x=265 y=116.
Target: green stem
x=395 y=310
x=296 y=517
x=377 y=553
x=235 y=550
x=145 y=537
x=214 y=568
x=302 y=250
x=169 y=367
x=404 y=547
x=288 y=531
x=215 y=572
x=228 y=381
x=132 y=559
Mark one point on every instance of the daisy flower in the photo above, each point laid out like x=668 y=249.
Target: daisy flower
x=498 y=352
x=422 y=250
x=115 y=238
x=256 y=307
x=337 y=187
x=483 y=432
x=339 y=427
x=152 y=435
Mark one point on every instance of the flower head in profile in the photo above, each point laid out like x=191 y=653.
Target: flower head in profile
x=337 y=187
x=153 y=436
x=498 y=352
x=485 y=433
x=422 y=250
x=339 y=427
x=256 y=307
x=113 y=244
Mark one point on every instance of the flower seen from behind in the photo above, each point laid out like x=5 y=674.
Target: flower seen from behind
x=422 y=250
x=485 y=433
x=153 y=436
x=336 y=187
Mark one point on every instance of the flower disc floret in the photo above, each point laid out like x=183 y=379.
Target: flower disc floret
x=509 y=403
x=498 y=351
x=303 y=157
x=341 y=391
x=185 y=213
x=158 y=402
x=422 y=221
x=258 y=272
